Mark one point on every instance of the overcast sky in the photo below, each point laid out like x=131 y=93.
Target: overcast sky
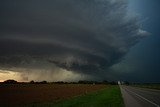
x=142 y=63
x=73 y=40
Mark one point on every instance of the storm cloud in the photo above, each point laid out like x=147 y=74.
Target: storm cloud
x=81 y=36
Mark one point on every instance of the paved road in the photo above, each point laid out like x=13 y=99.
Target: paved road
x=140 y=97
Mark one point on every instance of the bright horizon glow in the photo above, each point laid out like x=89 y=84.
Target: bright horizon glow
x=8 y=74
x=40 y=75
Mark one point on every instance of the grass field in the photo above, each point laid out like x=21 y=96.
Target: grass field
x=60 y=95
x=12 y=95
x=151 y=86
x=108 y=97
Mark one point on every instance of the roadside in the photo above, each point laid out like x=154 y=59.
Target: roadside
x=149 y=86
x=140 y=97
x=129 y=101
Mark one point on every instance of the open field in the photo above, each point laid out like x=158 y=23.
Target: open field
x=23 y=94
x=149 y=85
x=108 y=97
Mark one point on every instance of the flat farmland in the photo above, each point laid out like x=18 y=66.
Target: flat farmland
x=149 y=85
x=12 y=95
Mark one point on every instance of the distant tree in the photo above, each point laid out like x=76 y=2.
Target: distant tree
x=32 y=82
x=88 y=82
x=43 y=82
x=104 y=82
x=10 y=81
x=113 y=83
x=126 y=83
x=60 y=82
x=83 y=82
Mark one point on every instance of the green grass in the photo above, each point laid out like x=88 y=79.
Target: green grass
x=109 y=97
x=151 y=86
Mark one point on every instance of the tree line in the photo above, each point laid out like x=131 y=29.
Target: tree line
x=11 y=81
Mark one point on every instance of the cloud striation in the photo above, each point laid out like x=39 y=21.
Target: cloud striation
x=84 y=37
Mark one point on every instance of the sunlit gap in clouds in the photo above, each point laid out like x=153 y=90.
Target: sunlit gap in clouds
x=7 y=74
x=41 y=75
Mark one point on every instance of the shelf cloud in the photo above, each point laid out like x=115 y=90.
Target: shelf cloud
x=83 y=37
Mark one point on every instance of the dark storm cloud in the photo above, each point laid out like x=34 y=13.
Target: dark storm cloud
x=83 y=36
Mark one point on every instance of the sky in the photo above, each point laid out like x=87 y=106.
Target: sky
x=142 y=63
x=60 y=40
